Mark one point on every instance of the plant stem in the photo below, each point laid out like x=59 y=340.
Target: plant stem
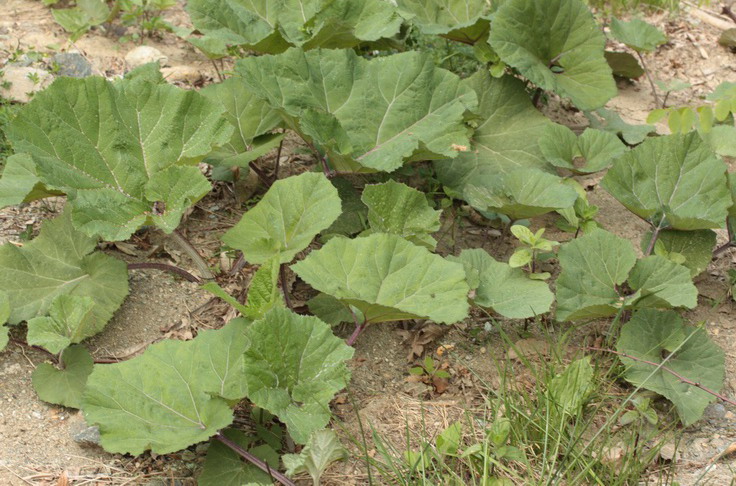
x=653 y=241
x=537 y=96
x=217 y=70
x=723 y=248
x=278 y=163
x=284 y=286
x=649 y=77
x=166 y=268
x=186 y=247
x=359 y=328
x=275 y=475
x=668 y=370
x=261 y=175
x=237 y=265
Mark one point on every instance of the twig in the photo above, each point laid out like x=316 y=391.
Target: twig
x=166 y=268
x=649 y=77
x=723 y=248
x=217 y=70
x=284 y=287
x=204 y=269
x=653 y=240
x=668 y=370
x=254 y=460
x=260 y=173
x=728 y=12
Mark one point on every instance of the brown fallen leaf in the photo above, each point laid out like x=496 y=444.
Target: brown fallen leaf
x=440 y=384
x=419 y=338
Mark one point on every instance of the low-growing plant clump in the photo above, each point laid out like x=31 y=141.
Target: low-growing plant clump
x=345 y=79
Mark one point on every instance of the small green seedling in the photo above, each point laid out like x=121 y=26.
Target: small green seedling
x=641 y=414
x=430 y=369
x=494 y=450
x=534 y=248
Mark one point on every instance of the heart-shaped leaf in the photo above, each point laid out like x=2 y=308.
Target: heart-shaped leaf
x=557 y=45
x=593 y=151
x=695 y=246
x=224 y=467
x=64 y=386
x=286 y=220
x=388 y=279
x=637 y=34
x=71 y=319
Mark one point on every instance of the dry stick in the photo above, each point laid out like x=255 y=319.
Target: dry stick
x=204 y=269
x=728 y=13
x=254 y=460
x=217 y=70
x=649 y=77
x=668 y=370
x=282 y=277
x=166 y=268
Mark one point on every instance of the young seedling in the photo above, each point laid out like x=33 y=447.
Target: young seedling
x=429 y=369
x=641 y=37
x=534 y=249
x=494 y=449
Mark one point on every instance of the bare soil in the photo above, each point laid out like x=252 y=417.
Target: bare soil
x=37 y=443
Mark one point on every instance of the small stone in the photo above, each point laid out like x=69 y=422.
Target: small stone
x=37 y=415
x=72 y=64
x=17 y=83
x=181 y=74
x=86 y=436
x=143 y=55
x=667 y=451
x=715 y=411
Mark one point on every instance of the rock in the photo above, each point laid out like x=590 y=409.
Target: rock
x=18 y=84
x=715 y=411
x=143 y=55
x=72 y=64
x=86 y=435
x=181 y=74
x=667 y=451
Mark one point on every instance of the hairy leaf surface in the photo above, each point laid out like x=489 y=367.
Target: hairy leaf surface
x=673 y=181
x=388 y=278
x=662 y=338
x=558 y=46
x=20 y=182
x=695 y=246
x=71 y=319
x=593 y=151
x=170 y=397
x=373 y=114
x=460 y=20
x=60 y=261
x=123 y=152
x=396 y=208
x=663 y=283
x=64 y=386
x=286 y=220
x=508 y=291
x=322 y=449
x=293 y=368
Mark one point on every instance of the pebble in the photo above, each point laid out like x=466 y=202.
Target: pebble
x=86 y=436
x=181 y=74
x=143 y=55
x=73 y=64
x=20 y=88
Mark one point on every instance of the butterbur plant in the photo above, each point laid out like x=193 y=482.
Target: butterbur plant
x=534 y=249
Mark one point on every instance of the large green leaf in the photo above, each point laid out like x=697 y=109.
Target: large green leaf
x=388 y=279
x=506 y=137
x=557 y=45
x=61 y=261
x=662 y=283
x=124 y=152
x=508 y=291
x=293 y=368
x=271 y=26
x=661 y=338
x=520 y=194
x=593 y=151
x=20 y=182
x=251 y=116
x=373 y=114
x=569 y=390
x=461 y=20
x=610 y=121
x=64 y=386
x=695 y=246
x=396 y=208
x=637 y=34
x=286 y=220
x=593 y=268
x=224 y=467
x=71 y=319
x=170 y=397
x=673 y=182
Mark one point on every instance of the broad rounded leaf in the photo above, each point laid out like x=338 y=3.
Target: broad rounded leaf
x=662 y=338
x=172 y=396
x=569 y=390
x=286 y=220
x=637 y=34
x=224 y=467
x=322 y=449
x=508 y=291
x=251 y=117
x=558 y=46
x=721 y=139
x=61 y=261
x=673 y=181
x=593 y=151
x=293 y=368
x=271 y=26
x=662 y=283
x=611 y=121
x=373 y=114
x=520 y=194
x=64 y=386
x=695 y=246
x=396 y=208
x=20 y=182
x=333 y=311
x=506 y=138
x=593 y=267
x=71 y=319
x=388 y=279
x=460 y=20
x=624 y=65
x=118 y=150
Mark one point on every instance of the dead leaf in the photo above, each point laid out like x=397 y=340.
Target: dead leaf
x=127 y=248
x=440 y=384
x=63 y=480
x=418 y=339
x=529 y=348
x=445 y=348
